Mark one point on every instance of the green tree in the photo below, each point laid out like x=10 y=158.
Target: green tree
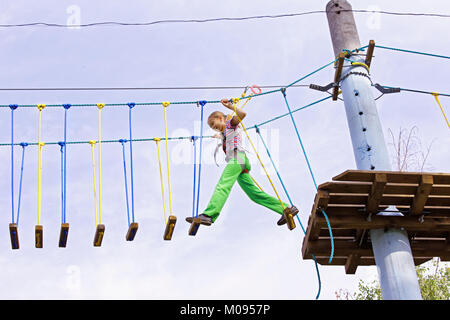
x=434 y=282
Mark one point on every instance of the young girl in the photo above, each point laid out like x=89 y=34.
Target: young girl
x=237 y=168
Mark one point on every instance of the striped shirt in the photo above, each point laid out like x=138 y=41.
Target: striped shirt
x=232 y=140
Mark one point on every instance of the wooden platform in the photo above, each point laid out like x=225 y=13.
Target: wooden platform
x=354 y=198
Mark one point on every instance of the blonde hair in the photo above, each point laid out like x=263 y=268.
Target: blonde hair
x=215 y=115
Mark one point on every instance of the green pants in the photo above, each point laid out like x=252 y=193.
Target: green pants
x=232 y=172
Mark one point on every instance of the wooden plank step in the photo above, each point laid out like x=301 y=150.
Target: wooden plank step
x=392 y=176
x=390 y=188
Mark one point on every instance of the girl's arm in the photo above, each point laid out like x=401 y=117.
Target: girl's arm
x=240 y=114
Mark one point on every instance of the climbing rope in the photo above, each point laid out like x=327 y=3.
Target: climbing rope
x=256 y=152
x=23 y=145
x=290 y=201
x=100 y=106
x=92 y=143
x=131 y=106
x=66 y=108
x=202 y=105
x=436 y=96
x=123 y=141
x=157 y=140
x=283 y=91
x=194 y=188
x=13 y=107
x=165 y=105
x=61 y=144
x=41 y=145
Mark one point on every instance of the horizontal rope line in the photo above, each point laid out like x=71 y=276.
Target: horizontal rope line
x=117 y=23
x=145 y=88
x=174 y=138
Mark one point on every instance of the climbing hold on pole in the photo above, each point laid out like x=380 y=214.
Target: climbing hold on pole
x=14 y=236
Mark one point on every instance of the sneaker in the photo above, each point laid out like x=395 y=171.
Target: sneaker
x=294 y=212
x=204 y=219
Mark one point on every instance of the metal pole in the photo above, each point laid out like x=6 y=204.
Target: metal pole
x=391 y=247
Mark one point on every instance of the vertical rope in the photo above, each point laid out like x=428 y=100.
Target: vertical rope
x=66 y=107
x=23 y=145
x=61 y=144
x=13 y=107
x=40 y=144
x=100 y=107
x=290 y=201
x=202 y=104
x=92 y=143
x=131 y=105
x=157 y=140
x=165 y=105
x=283 y=91
x=194 y=138
x=122 y=141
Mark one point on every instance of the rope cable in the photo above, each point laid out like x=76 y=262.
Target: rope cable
x=131 y=105
x=290 y=201
x=165 y=105
x=436 y=96
x=40 y=144
x=283 y=91
x=125 y=178
x=157 y=140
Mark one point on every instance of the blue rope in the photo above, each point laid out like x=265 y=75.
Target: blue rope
x=23 y=145
x=194 y=138
x=122 y=141
x=66 y=107
x=287 y=194
x=283 y=91
x=13 y=107
x=131 y=105
x=415 y=52
x=61 y=144
x=202 y=105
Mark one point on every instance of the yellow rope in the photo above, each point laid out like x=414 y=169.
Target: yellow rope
x=40 y=144
x=92 y=143
x=256 y=152
x=165 y=105
x=257 y=183
x=100 y=107
x=157 y=140
x=436 y=96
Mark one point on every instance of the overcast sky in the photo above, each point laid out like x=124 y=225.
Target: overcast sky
x=244 y=255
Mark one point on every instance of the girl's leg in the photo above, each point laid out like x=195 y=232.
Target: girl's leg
x=229 y=176
x=258 y=196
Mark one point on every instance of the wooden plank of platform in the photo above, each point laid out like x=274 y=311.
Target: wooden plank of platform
x=392 y=176
x=422 y=194
x=354 y=202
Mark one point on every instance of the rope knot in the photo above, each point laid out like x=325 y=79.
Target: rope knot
x=100 y=106
x=165 y=104
x=41 y=106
